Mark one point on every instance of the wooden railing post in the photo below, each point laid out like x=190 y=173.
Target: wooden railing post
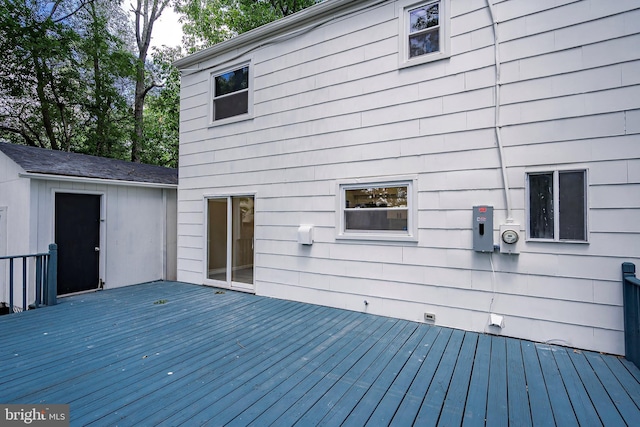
x=52 y=275
x=631 y=301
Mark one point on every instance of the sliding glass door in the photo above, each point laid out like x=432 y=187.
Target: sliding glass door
x=230 y=232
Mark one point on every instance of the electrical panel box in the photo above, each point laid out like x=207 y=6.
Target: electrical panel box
x=483 y=228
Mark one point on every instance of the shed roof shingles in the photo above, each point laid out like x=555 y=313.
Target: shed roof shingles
x=53 y=162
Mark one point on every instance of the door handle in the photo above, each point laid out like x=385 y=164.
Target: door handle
x=97 y=249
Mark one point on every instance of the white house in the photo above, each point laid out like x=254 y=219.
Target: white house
x=114 y=221
x=369 y=155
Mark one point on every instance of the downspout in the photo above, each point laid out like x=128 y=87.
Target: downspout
x=503 y=166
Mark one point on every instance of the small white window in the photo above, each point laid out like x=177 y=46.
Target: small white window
x=557 y=202
x=377 y=210
x=424 y=31
x=231 y=93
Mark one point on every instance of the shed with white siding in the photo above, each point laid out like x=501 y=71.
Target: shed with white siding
x=378 y=126
x=46 y=196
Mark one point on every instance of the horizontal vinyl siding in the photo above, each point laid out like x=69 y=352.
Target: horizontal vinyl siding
x=331 y=104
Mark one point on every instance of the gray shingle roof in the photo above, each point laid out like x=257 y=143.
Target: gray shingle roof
x=52 y=162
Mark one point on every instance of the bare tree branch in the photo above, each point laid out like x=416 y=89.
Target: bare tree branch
x=70 y=14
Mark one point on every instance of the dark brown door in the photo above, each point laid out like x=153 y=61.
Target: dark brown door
x=77 y=234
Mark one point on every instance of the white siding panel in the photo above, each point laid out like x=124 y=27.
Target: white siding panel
x=480 y=78
x=564 y=84
x=615 y=196
x=512 y=9
x=470 y=21
x=603 y=125
x=471 y=100
x=461 y=8
x=618 y=50
x=613 y=172
x=591 y=32
x=472 y=41
x=548 y=20
x=632 y=121
x=633 y=171
x=527 y=47
x=616 y=220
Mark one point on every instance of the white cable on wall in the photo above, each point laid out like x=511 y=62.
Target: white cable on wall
x=503 y=166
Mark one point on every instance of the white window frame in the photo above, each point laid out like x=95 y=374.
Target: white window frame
x=409 y=235
x=223 y=70
x=555 y=171
x=406 y=6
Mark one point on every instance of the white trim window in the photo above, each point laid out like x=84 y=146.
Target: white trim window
x=424 y=31
x=557 y=205
x=377 y=210
x=231 y=92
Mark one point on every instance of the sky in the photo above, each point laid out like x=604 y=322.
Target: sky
x=167 y=30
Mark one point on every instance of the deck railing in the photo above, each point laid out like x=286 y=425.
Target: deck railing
x=631 y=295
x=44 y=278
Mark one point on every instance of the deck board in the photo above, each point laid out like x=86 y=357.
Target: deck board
x=169 y=353
x=517 y=393
x=453 y=408
x=497 y=404
x=580 y=401
x=607 y=411
x=433 y=401
x=563 y=412
x=408 y=410
x=312 y=392
x=624 y=378
x=539 y=404
x=476 y=405
x=610 y=385
x=374 y=395
x=392 y=398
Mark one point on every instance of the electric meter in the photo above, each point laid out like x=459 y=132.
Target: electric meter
x=509 y=236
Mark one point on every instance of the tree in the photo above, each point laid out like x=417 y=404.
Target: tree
x=162 y=111
x=65 y=75
x=108 y=70
x=207 y=22
x=39 y=72
x=146 y=13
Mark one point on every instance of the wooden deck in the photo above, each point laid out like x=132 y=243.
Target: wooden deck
x=170 y=353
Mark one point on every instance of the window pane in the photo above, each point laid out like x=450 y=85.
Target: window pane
x=242 y=239
x=541 y=206
x=424 y=17
x=376 y=197
x=217 y=239
x=572 y=206
x=232 y=105
x=424 y=43
x=232 y=81
x=376 y=219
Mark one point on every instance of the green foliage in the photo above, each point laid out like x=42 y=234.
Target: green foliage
x=207 y=22
x=40 y=81
x=62 y=78
x=108 y=66
x=162 y=111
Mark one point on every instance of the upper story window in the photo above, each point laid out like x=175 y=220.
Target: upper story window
x=557 y=202
x=231 y=94
x=424 y=31
x=383 y=210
